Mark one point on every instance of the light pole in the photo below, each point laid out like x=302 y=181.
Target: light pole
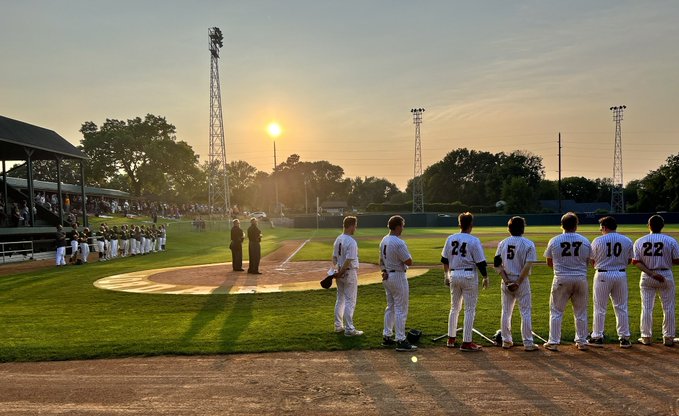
x=274 y=130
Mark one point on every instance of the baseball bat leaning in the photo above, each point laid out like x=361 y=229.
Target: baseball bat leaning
x=538 y=336
x=483 y=336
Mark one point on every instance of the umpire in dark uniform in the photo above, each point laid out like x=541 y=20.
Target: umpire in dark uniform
x=254 y=247
x=236 y=246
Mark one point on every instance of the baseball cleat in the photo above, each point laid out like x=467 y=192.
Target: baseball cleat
x=581 y=346
x=645 y=340
x=596 y=342
x=353 y=333
x=388 y=341
x=470 y=347
x=451 y=343
x=404 y=345
x=551 y=347
x=624 y=343
x=338 y=330
x=507 y=344
x=668 y=341
x=530 y=347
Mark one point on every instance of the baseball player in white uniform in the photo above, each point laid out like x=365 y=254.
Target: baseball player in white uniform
x=654 y=255
x=462 y=254
x=345 y=259
x=394 y=261
x=514 y=260
x=568 y=254
x=611 y=253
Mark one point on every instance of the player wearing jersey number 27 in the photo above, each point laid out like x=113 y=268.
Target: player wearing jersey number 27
x=568 y=254
x=654 y=255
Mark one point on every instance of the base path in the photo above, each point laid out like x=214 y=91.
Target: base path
x=440 y=381
x=279 y=274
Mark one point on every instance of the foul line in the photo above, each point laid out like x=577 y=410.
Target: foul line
x=294 y=253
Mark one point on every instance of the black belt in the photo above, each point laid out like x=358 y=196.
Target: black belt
x=604 y=271
x=397 y=271
x=463 y=270
x=664 y=269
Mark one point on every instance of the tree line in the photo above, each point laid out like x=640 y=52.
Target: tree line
x=143 y=156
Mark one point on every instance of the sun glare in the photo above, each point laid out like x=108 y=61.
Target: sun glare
x=274 y=130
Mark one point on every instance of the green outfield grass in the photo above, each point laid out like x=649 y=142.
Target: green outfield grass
x=57 y=314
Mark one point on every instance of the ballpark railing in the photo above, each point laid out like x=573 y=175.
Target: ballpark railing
x=11 y=248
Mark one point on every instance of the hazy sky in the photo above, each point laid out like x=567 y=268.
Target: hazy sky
x=342 y=76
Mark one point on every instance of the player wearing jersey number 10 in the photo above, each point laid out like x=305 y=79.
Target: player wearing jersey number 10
x=611 y=253
x=462 y=254
x=568 y=254
x=654 y=255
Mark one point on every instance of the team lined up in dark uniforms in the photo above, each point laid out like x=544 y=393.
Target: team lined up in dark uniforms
x=110 y=242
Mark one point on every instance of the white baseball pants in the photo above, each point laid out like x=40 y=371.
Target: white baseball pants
x=114 y=248
x=347 y=291
x=84 y=251
x=564 y=289
x=396 y=313
x=61 y=254
x=649 y=287
x=463 y=287
x=614 y=285
x=509 y=299
x=74 y=248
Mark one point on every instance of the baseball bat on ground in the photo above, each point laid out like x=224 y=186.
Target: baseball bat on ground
x=538 y=336
x=483 y=336
x=440 y=337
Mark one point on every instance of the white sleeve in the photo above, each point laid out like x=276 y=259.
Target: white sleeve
x=352 y=251
x=531 y=255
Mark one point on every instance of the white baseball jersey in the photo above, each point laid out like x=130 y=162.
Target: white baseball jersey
x=345 y=247
x=463 y=251
x=516 y=251
x=611 y=252
x=656 y=251
x=569 y=253
x=393 y=253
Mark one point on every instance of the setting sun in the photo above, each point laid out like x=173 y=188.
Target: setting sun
x=274 y=130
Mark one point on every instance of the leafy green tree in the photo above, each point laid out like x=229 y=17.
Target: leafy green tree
x=659 y=190
x=519 y=196
x=370 y=190
x=145 y=150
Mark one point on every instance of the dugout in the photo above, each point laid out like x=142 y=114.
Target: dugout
x=27 y=143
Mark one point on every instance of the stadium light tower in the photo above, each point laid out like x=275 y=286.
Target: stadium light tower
x=418 y=191
x=218 y=179
x=617 y=194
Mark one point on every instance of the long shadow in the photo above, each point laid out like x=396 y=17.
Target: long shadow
x=386 y=399
x=596 y=391
x=213 y=307
x=239 y=317
x=445 y=398
x=517 y=387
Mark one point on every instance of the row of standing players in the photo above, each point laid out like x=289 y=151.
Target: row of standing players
x=110 y=242
x=568 y=254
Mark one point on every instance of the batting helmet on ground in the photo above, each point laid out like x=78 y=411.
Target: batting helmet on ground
x=498 y=338
x=413 y=336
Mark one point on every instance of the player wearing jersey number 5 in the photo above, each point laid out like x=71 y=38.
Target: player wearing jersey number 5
x=394 y=261
x=654 y=255
x=568 y=254
x=514 y=259
x=611 y=253
x=345 y=259
x=462 y=254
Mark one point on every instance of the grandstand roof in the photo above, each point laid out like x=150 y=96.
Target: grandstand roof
x=17 y=136
x=44 y=186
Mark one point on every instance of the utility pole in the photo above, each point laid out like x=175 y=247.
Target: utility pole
x=418 y=191
x=560 y=209
x=218 y=178
x=617 y=194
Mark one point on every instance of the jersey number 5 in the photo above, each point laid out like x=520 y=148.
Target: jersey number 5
x=511 y=252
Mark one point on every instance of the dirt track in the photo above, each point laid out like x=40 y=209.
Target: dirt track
x=610 y=381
